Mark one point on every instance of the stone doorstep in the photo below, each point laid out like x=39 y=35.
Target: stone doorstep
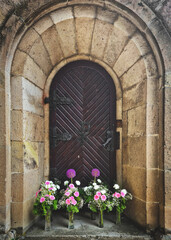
x=85 y=228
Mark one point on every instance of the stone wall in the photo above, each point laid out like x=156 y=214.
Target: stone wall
x=113 y=36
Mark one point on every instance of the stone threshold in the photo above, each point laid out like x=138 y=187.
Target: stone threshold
x=85 y=228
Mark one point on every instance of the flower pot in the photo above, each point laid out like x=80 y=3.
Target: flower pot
x=48 y=220
x=71 y=220
x=118 y=218
x=101 y=219
x=93 y=216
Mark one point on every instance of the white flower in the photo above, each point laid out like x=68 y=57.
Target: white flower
x=124 y=191
x=66 y=183
x=58 y=187
x=78 y=183
x=99 y=181
x=116 y=186
x=85 y=189
x=94 y=184
x=96 y=187
x=103 y=191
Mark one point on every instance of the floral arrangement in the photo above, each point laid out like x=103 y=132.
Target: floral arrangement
x=120 y=198
x=71 y=199
x=45 y=198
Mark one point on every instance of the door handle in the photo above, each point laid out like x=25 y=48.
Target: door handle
x=108 y=145
x=107 y=142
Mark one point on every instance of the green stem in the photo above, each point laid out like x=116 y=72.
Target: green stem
x=94 y=179
x=101 y=219
x=71 y=180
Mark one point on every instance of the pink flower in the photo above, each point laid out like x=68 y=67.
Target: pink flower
x=76 y=194
x=74 y=202
x=71 y=173
x=51 y=188
x=71 y=198
x=47 y=195
x=98 y=194
x=95 y=172
x=47 y=182
x=96 y=197
x=67 y=194
x=123 y=194
x=71 y=185
x=103 y=197
x=52 y=197
x=117 y=195
x=67 y=201
x=113 y=195
x=42 y=199
x=38 y=192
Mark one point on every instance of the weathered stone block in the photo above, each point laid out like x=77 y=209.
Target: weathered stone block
x=62 y=15
x=2 y=193
x=152 y=194
x=17 y=125
x=134 y=96
x=17 y=187
x=168 y=219
x=18 y=63
x=137 y=145
x=119 y=109
x=125 y=25
x=28 y=40
x=137 y=121
x=31 y=184
x=152 y=215
x=33 y=127
x=16 y=93
x=41 y=150
x=28 y=212
x=150 y=64
x=152 y=119
x=135 y=74
x=167 y=188
x=152 y=90
x=106 y=16
x=100 y=38
x=32 y=98
x=167 y=119
x=136 y=210
x=152 y=151
x=84 y=11
x=16 y=214
x=43 y=24
x=84 y=31
x=116 y=43
x=40 y=56
x=51 y=41
x=133 y=178
x=66 y=31
x=125 y=155
x=127 y=59
x=31 y=155
x=2 y=161
x=167 y=154
x=33 y=73
x=16 y=157
x=141 y=43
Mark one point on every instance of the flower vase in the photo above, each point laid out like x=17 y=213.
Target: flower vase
x=48 y=220
x=71 y=220
x=93 y=216
x=118 y=218
x=101 y=225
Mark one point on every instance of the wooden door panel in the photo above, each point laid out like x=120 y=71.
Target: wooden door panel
x=87 y=118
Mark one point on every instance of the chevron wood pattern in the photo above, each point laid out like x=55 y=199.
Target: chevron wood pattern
x=87 y=119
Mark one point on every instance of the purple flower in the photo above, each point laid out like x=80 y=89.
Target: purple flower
x=95 y=172
x=71 y=173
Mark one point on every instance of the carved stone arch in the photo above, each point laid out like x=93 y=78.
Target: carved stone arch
x=122 y=44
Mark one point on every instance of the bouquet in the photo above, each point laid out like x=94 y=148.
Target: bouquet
x=120 y=198
x=45 y=198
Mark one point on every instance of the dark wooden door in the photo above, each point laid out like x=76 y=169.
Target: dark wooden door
x=82 y=122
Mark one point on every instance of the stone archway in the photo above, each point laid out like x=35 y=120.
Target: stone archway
x=101 y=35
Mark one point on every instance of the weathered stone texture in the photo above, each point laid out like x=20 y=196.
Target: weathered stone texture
x=106 y=16
x=18 y=187
x=51 y=41
x=152 y=193
x=43 y=24
x=31 y=155
x=33 y=127
x=62 y=15
x=137 y=121
x=152 y=151
x=16 y=156
x=84 y=11
x=152 y=213
x=128 y=58
x=28 y=40
x=100 y=37
x=17 y=214
x=84 y=31
x=66 y=31
x=168 y=188
x=31 y=184
x=17 y=125
x=135 y=74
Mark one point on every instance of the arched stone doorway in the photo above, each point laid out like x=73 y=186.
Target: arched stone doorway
x=105 y=36
x=83 y=122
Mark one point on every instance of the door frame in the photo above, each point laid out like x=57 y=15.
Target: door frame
x=118 y=113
